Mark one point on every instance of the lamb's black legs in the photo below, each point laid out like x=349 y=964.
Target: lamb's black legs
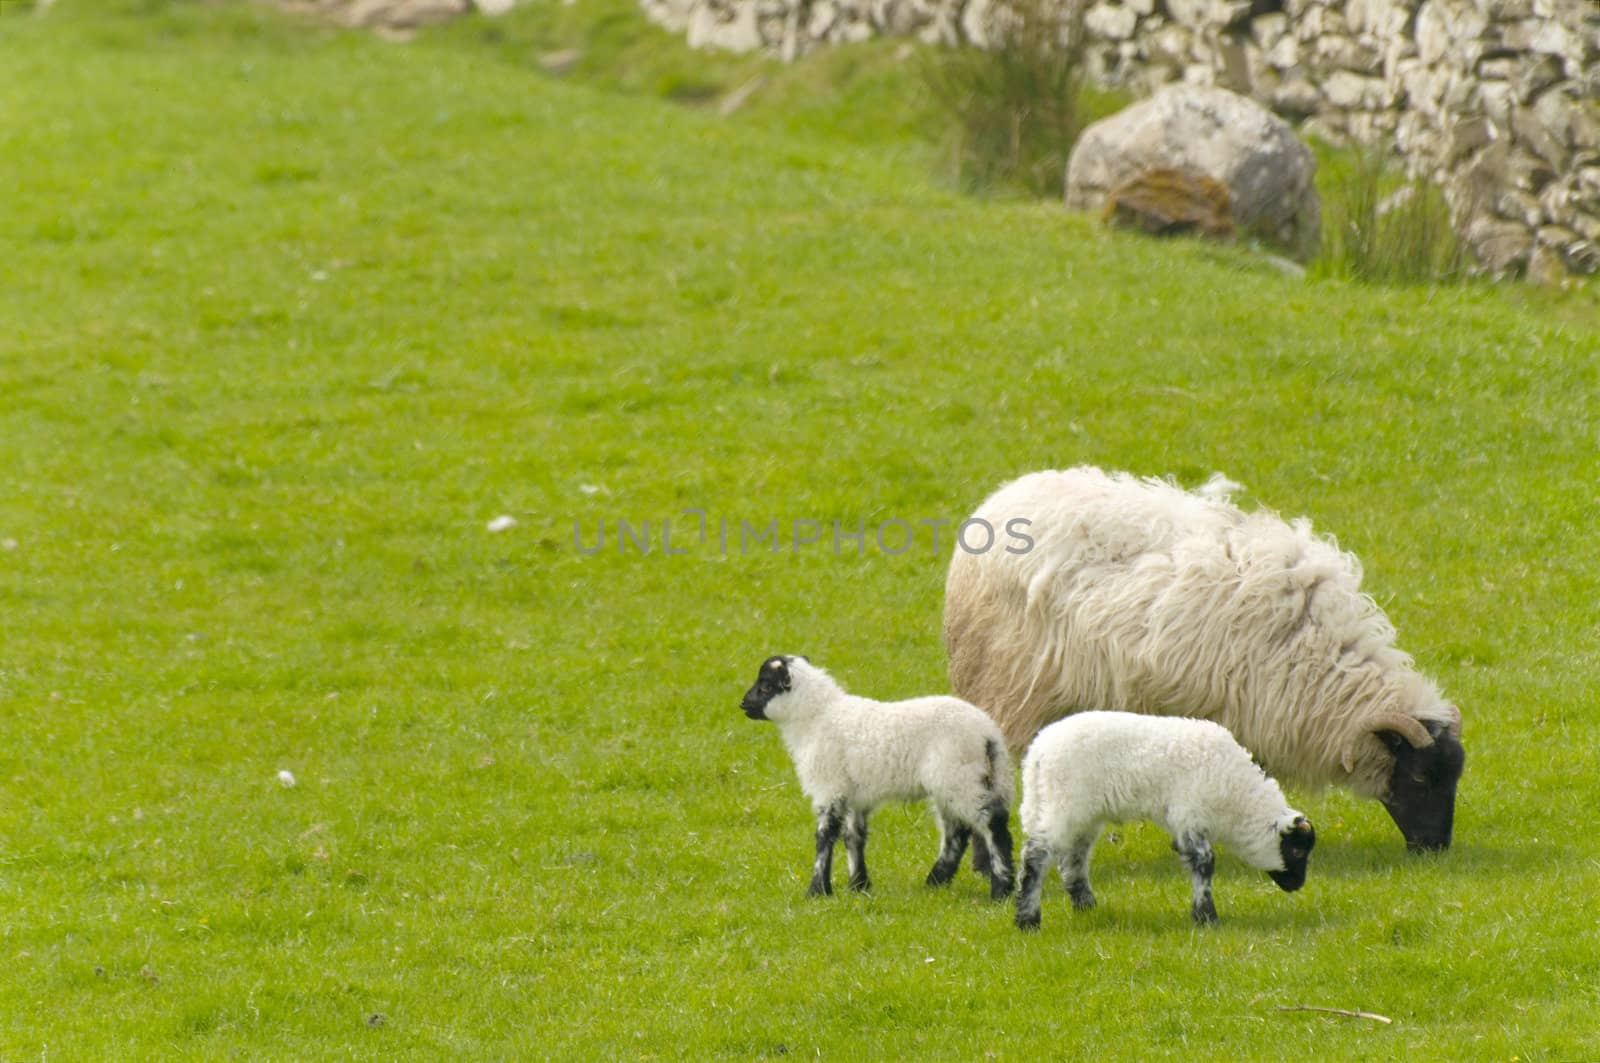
x=830 y=821
x=1035 y=861
x=996 y=834
x=1037 y=855
x=953 y=836
x=1198 y=858
x=992 y=831
x=855 y=850
x=1075 y=873
x=838 y=818
x=983 y=856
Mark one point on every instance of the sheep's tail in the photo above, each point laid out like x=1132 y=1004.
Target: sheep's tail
x=1001 y=783
x=1030 y=789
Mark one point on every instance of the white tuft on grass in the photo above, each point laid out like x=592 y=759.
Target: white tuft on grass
x=286 y=778
x=502 y=523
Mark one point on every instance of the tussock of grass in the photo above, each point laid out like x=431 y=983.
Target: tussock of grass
x=292 y=314
x=1010 y=114
x=1380 y=227
x=1014 y=107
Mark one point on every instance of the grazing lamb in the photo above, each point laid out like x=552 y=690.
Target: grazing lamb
x=853 y=754
x=1139 y=596
x=1189 y=776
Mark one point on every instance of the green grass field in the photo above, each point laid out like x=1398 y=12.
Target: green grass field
x=288 y=315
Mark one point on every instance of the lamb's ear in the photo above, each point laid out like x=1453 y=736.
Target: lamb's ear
x=1302 y=827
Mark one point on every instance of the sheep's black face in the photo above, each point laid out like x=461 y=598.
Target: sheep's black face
x=1294 y=845
x=771 y=681
x=1422 y=788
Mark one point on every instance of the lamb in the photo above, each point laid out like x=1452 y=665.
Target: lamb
x=1189 y=776
x=1137 y=595
x=853 y=754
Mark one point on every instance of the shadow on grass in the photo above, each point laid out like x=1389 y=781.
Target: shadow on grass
x=1356 y=859
x=1247 y=901
x=1141 y=920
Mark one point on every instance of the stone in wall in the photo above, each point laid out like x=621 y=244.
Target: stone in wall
x=1497 y=102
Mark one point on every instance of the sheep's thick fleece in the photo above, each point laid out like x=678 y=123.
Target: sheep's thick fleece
x=1143 y=597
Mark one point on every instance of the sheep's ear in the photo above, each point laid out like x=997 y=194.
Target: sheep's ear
x=1302 y=826
x=1451 y=726
x=1454 y=726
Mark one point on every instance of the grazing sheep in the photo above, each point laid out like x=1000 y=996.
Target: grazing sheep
x=1189 y=776
x=853 y=754
x=1140 y=596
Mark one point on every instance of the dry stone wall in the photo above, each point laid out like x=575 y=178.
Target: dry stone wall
x=1495 y=101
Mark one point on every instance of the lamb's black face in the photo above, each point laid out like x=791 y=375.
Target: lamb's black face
x=1422 y=787
x=772 y=680
x=1294 y=845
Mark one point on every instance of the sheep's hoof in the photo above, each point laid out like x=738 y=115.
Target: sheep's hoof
x=1000 y=888
x=1027 y=923
x=1082 y=899
x=940 y=876
x=1204 y=914
x=861 y=885
x=819 y=889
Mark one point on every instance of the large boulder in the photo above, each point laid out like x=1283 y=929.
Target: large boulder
x=1268 y=172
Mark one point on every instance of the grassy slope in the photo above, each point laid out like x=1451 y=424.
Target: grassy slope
x=290 y=314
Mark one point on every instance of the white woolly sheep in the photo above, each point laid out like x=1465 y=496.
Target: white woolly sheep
x=853 y=754
x=1189 y=776
x=1137 y=595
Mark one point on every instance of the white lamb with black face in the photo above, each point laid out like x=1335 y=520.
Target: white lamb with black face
x=853 y=754
x=1188 y=776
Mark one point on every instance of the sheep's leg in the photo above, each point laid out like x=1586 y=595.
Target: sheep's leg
x=1198 y=858
x=1036 y=858
x=980 y=856
x=830 y=820
x=855 y=849
x=953 y=836
x=994 y=830
x=1075 y=871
